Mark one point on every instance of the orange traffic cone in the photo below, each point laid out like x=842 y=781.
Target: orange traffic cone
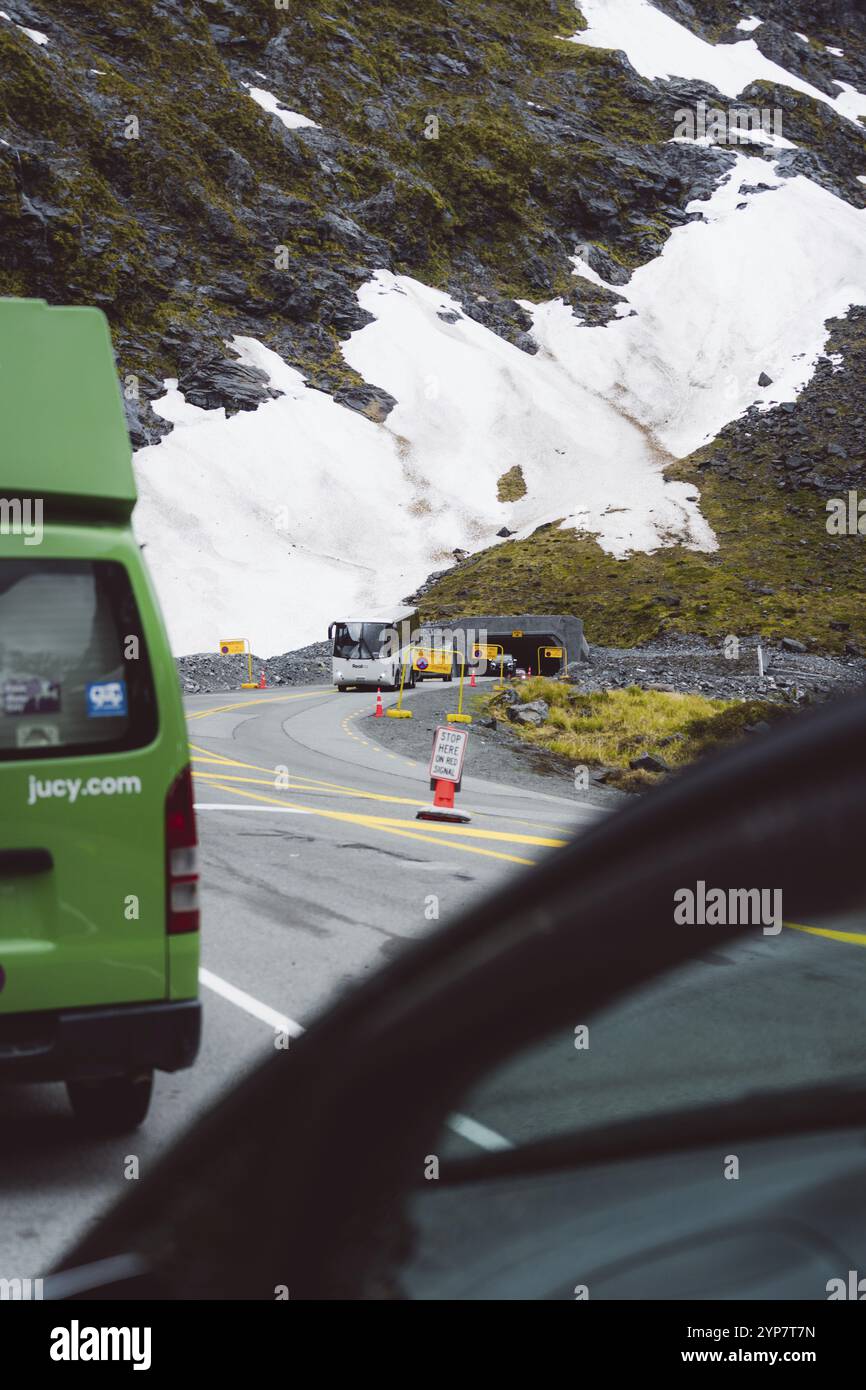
x=472 y=680
x=379 y=710
x=262 y=685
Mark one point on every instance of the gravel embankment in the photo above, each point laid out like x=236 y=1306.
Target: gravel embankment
x=695 y=666
x=207 y=672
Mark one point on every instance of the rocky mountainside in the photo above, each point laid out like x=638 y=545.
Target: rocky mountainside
x=216 y=170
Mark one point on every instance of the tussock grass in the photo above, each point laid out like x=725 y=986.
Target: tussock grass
x=610 y=728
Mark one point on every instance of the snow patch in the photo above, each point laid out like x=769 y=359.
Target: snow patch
x=730 y=296
x=758 y=136
x=584 y=269
x=472 y=406
x=34 y=34
x=657 y=46
x=850 y=102
x=276 y=521
x=292 y=120
x=747 y=25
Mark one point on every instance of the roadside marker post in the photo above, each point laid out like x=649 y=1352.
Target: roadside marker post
x=485 y=653
x=460 y=717
x=446 y=775
x=398 y=712
x=551 y=653
x=240 y=646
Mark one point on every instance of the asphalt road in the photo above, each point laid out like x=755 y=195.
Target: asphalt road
x=315 y=871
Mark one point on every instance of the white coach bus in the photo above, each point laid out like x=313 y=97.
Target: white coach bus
x=373 y=652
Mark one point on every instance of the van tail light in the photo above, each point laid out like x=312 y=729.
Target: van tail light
x=181 y=869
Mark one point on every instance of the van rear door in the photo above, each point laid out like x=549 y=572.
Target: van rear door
x=82 y=790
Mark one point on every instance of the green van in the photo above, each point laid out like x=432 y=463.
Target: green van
x=99 y=924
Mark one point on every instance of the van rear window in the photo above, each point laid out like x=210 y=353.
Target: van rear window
x=74 y=671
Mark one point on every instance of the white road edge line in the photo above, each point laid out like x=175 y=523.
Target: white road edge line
x=263 y=1012
x=239 y=806
x=467 y=1128
x=478 y=1134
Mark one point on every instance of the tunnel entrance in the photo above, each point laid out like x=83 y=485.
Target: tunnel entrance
x=530 y=650
x=540 y=642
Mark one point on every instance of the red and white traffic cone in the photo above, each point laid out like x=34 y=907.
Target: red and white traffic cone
x=472 y=680
x=262 y=685
x=379 y=710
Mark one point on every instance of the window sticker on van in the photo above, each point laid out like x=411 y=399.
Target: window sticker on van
x=105 y=699
x=31 y=695
x=37 y=736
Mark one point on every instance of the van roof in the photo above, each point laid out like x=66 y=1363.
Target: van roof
x=63 y=432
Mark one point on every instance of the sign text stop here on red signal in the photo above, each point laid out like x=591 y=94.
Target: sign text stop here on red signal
x=449 y=750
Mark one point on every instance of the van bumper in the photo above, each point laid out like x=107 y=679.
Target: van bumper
x=96 y=1042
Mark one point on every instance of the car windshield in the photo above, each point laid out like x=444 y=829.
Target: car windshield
x=360 y=641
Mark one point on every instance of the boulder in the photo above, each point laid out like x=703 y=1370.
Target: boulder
x=533 y=713
x=648 y=762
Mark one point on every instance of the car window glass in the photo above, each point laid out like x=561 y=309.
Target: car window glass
x=69 y=680
x=765 y=1012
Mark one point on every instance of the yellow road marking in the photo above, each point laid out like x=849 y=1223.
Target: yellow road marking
x=243 y=704
x=318 y=784
x=299 y=786
x=304 y=783
x=854 y=938
x=377 y=823
x=462 y=831
x=472 y=832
